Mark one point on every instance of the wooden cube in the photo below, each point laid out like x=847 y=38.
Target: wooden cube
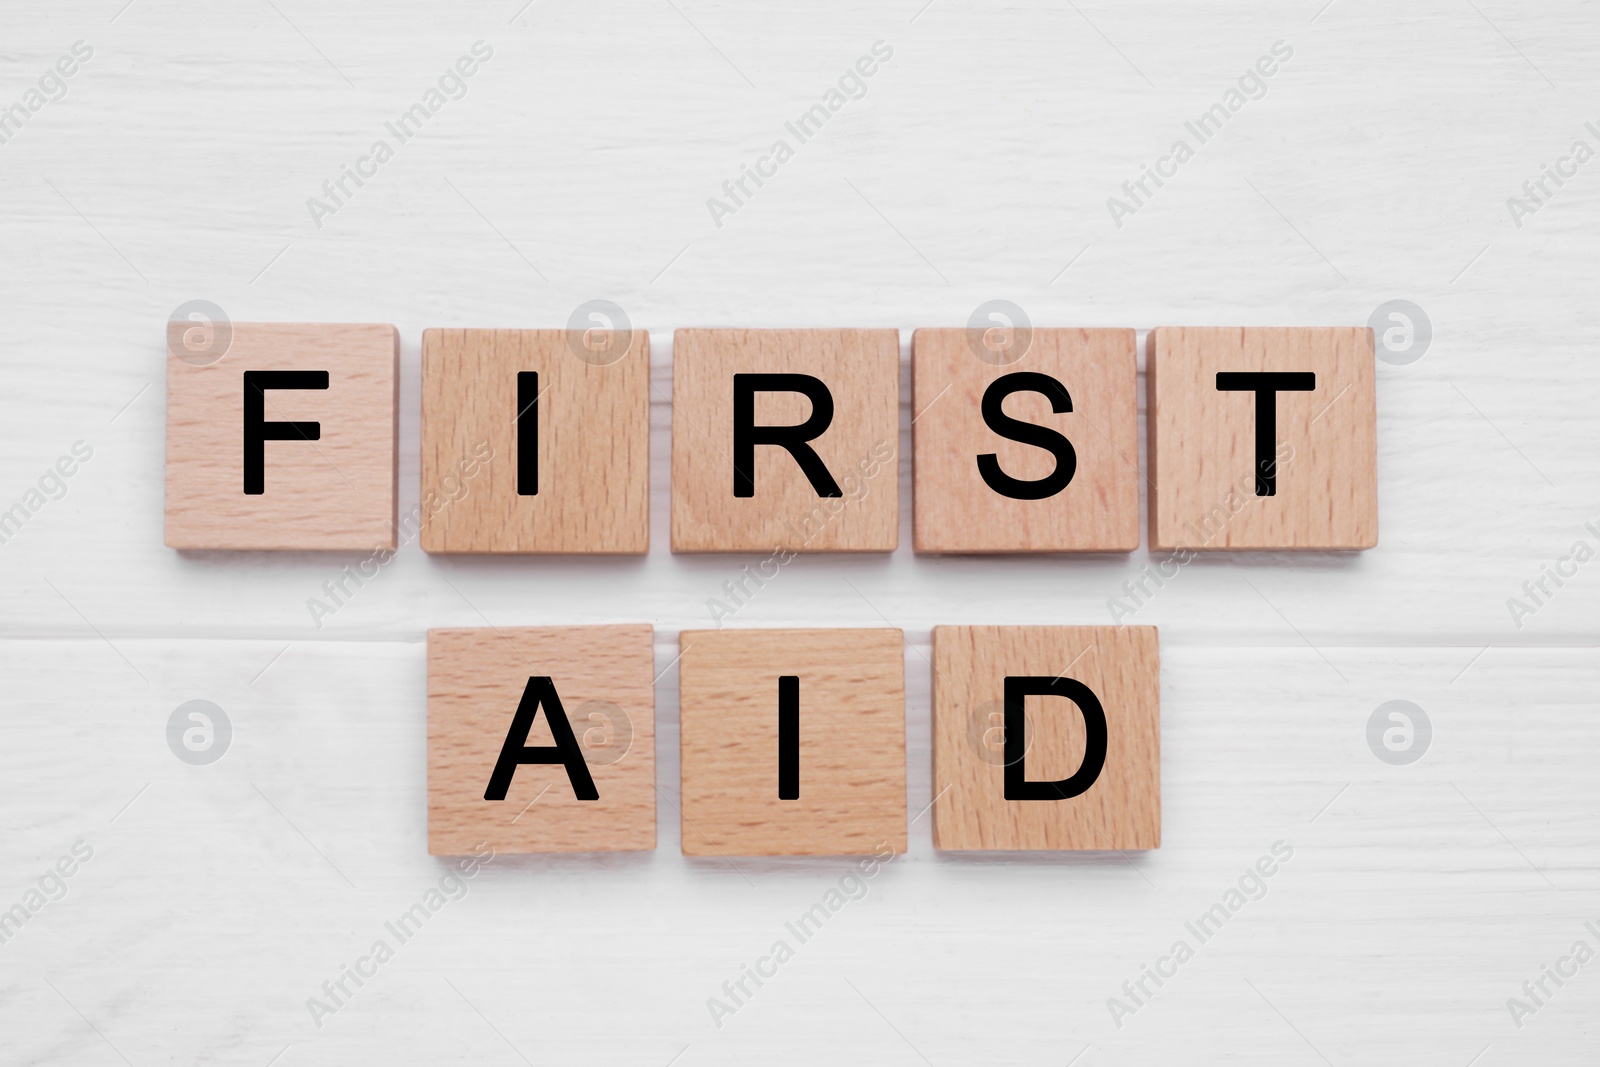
x=284 y=441
x=793 y=742
x=1046 y=737
x=504 y=703
x=1262 y=438
x=1068 y=481
x=533 y=444
x=785 y=438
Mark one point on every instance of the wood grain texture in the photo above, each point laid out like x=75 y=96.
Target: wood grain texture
x=991 y=141
x=593 y=462
x=1390 y=865
x=852 y=795
x=1203 y=446
x=476 y=678
x=1120 y=665
x=957 y=511
x=337 y=492
x=861 y=369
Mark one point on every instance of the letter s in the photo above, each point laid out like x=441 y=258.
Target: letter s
x=1039 y=436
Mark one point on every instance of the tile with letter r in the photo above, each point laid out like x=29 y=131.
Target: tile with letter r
x=1028 y=448
x=785 y=439
x=1046 y=737
x=793 y=742
x=541 y=739
x=1262 y=437
x=535 y=441
x=281 y=435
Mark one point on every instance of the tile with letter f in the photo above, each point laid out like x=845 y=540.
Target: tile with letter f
x=281 y=435
x=792 y=742
x=1046 y=737
x=1262 y=438
x=541 y=739
x=785 y=439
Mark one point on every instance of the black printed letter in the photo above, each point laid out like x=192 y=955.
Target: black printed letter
x=1094 y=726
x=1266 y=386
x=1029 y=434
x=258 y=431
x=527 y=433
x=565 y=750
x=746 y=434
x=789 y=737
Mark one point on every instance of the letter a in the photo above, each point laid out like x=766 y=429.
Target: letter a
x=541 y=690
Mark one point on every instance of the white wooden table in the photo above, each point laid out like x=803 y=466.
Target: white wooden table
x=977 y=165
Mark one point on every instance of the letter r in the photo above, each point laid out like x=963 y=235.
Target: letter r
x=794 y=439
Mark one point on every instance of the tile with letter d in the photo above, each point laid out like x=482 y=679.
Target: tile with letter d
x=1031 y=447
x=793 y=742
x=535 y=441
x=541 y=739
x=1262 y=438
x=785 y=439
x=281 y=435
x=1046 y=737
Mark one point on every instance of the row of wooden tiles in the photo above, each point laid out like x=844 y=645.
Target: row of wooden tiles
x=792 y=742
x=537 y=441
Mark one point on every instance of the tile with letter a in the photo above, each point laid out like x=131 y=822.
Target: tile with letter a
x=281 y=436
x=785 y=439
x=1046 y=737
x=535 y=441
x=541 y=739
x=1262 y=438
x=792 y=742
x=1035 y=450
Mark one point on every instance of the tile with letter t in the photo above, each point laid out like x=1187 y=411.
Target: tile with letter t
x=535 y=441
x=541 y=739
x=281 y=435
x=785 y=439
x=1262 y=438
x=1046 y=737
x=1026 y=447
x=793 y=742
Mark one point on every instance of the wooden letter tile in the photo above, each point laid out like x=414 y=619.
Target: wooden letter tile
x=594 y=689
x=793 y=742
x=818 y=471
x=284 y=440
x=1078 y=392
x=1222 y=400
x=535 y=441
x=1087 y=699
